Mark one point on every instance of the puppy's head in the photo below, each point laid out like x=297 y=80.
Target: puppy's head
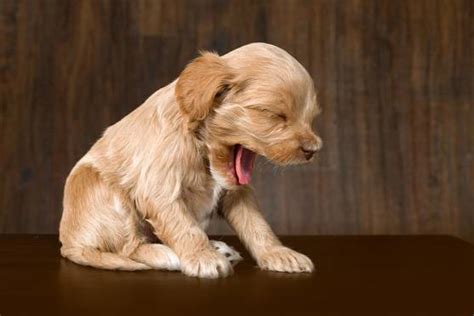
x=254 y=100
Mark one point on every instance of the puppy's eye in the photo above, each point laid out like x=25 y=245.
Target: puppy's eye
x=271 y=113
x=277 y=115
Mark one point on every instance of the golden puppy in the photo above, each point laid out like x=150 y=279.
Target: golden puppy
x=190 y=147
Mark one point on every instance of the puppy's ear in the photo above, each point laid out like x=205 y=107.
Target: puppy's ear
x=200 y=84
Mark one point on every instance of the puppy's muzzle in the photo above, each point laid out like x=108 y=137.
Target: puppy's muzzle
x=309 y=148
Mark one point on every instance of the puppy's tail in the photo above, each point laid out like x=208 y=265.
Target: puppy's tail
x=102 y=260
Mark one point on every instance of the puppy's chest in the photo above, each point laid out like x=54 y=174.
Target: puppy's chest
x=202 y=200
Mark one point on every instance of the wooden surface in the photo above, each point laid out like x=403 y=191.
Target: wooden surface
x=395 y=82
x=355 y=276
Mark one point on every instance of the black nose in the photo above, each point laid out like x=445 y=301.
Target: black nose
x=309 y=148
x=308 y=152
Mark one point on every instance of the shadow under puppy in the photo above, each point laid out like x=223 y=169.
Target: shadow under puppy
x=189 y=147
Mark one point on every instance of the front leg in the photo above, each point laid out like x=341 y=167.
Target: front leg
x=240 y=209
x=175 y=226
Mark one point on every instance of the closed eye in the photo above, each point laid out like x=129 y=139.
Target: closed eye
x=269 y=112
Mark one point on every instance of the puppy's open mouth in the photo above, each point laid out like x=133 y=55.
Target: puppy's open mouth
x=244 y=160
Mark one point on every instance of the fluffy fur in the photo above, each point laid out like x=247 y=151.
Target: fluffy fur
x=161 y=172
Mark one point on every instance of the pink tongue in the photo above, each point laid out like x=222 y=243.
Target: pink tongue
x=244 y=161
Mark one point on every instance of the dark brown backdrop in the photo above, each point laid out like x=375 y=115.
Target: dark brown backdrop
x=395 y=81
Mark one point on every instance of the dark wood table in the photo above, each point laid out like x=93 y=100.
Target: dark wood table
x=396 y=275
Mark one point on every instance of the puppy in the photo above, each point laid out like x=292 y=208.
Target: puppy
x=143 y=195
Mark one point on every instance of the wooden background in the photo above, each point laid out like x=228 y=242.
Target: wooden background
x=395 y=81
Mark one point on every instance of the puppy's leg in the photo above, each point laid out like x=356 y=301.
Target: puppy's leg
x=156 y=256
x=177 y=228
x=229 y=252
x=91 y=230
x=92 y=257
x=241 y=211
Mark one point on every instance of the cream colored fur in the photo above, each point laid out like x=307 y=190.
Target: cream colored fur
x=159 y=174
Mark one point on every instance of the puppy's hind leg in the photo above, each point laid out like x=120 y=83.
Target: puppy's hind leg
x=95 y=258
x=92 y=229
x=157 y=256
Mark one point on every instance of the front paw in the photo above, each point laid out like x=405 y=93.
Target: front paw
x=283 y=259
x=206 y=263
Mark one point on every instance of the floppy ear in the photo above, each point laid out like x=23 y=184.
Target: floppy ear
x=200 y=83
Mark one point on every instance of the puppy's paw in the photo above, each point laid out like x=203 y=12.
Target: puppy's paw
x=206 y=263
x=283 y=259
x=227 y=251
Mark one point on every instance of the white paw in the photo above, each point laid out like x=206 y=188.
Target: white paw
x=206 y=263
x=227 y=251
x=284 y=259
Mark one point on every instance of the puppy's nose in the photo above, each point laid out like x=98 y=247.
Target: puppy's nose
x=310 y=148
x=308 y=153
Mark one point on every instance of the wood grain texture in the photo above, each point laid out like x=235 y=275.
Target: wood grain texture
x=395 y=81
x=371 y=275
